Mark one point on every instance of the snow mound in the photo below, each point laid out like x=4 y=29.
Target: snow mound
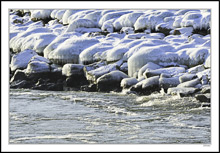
x=20 y=60
x=128 y=82
x=151 y=19
x=17 y=41
x=111 y=15
x=67 y=14
x=69 y=50
x=77 y=23
x=87 y=55
x=37 y=67
x=126 y=20
x=71 y=69
x=40 y=14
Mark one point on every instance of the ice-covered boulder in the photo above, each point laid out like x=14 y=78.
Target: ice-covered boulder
x=207 y=63
x=187 y=77
x=196 y=69
x=151 y=19
x=37 y=67
x=146 y=86
x=57 y=14
x=197 y=20
x=110 y=81
x=69 y=50
x=166 y=83
x=170 y=70
x=40 y=14
x=127 y=30
x=117 y=52
x=78 y=23
x=156 y=54
x=94 y=16
x=20 y=60
x=55 y=43
x=206 y=72
x=67 y=14
x=126 y=20
x=111 y=15
x=93 y=75
x=72 y=69
x=191 y=83
x=128 y=82
x=186 y=91
x=87 y=55
x=149 y=66
x=27 y=36
x=39 y=58
x=187 y=31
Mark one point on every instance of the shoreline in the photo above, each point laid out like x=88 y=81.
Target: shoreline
x=48 y=52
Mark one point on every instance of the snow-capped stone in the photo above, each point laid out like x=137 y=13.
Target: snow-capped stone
x=181 y=91
x=191 y=83
x=187 y=77
x=207 y=62
x=206 y=72
x=72 y=69
x=110 y=81
x=149 y=66
x=126 y=20
x=170 y=70
x=196 y=69
x=111 y=15
x=166 y=83
x=40 y=14
x=93 y=75
x=150 y=82
x=39 y=58
x=20 y=60
x=69 y=50
x=78 y=23
x=87 y=55
x=37 y=67
x=128 y=82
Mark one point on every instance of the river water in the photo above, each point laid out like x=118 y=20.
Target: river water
x=51 y=117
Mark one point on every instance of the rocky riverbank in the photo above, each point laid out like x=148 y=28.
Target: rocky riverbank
x=132 y=51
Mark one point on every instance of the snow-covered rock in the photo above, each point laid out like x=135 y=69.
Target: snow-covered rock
x=37 y=67
x=191 y=83
x=128 y=82
x=72 y=69
x=20 y=60
x=149 y=66
x=126 y=20
x=39 y=58
x=40 y=14
x=207 y=63
x=111 y=15
x=166 y=83
x=93 y=75
x=78 y=23
x=170 y=70
x=69 y=50
x=196 y=69
x=87 y=55
x=187 y=77
x=181 y=91
x=206 y=72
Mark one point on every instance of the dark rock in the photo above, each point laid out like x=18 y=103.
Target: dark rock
x=203 y=97
x=206 y=105
x=206 y=90
x=18 y=75
x=89 y=88
x=22 y=84
x=110 y=81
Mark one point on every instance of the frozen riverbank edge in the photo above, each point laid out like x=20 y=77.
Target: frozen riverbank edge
x=133 y=51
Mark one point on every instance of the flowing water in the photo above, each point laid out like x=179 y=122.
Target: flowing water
x=51 y=117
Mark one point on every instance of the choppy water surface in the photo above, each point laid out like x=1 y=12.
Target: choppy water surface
x=44 y=117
